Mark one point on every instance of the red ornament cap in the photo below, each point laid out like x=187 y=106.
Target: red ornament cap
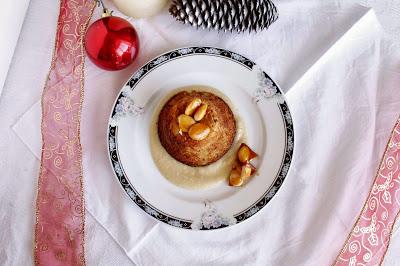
x=111 y=43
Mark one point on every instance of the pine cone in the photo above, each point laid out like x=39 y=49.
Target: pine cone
x=226 y=15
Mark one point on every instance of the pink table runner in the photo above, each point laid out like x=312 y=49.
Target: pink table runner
x=369 y=239
x=59 y=232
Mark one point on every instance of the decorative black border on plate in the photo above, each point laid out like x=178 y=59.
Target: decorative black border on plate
x=130 y=189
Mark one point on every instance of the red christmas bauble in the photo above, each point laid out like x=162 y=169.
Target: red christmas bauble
x=111 y=43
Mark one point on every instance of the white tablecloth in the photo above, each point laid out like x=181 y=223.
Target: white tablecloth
x=341 y=74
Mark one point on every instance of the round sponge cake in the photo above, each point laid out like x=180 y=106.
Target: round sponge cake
x=219 y=118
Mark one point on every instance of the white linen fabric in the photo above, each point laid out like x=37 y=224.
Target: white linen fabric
x=11 y=20
x=341 y=76
x=388 y=13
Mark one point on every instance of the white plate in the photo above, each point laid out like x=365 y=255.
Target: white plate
x=255 y=97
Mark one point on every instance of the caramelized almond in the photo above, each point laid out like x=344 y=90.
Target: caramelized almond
x=245 y=154
x=175 y=128
x=199 y=131
x=200 y=112
x=192 y=106
x=185 y=122
x=234 y=179
x=246 y=172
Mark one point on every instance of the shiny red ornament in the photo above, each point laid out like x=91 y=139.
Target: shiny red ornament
x=111 y=43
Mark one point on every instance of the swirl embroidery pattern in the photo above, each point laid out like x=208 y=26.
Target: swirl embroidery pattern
x=370 y=236
x=59 y=230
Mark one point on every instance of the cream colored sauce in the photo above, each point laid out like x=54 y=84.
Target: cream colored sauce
x=194 y=177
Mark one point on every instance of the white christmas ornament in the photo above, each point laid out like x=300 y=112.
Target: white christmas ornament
x=140 y=8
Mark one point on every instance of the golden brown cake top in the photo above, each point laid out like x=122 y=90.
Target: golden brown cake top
x=218 y=118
